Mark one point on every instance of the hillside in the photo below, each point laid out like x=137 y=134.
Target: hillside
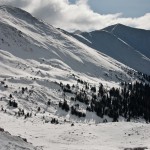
x=125 y=44
x=7 y=141
x=30 y=38
x=59 y=93
x=36 y=56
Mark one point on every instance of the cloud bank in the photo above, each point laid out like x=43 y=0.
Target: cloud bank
x=78 y=16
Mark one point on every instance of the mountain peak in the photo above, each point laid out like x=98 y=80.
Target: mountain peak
x=119 y=26
x=11 y=9
x=113 y=27
x=77 y=32
x=16 y=12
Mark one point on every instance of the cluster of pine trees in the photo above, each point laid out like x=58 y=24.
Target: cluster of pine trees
x=131 y=102
x=144 y=76
x=64 y=105
x=13 y=104
x=76 y=112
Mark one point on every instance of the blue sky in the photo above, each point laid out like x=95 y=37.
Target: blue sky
x=87 y=15
x=129 y=8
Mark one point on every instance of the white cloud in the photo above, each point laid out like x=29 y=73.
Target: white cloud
x=78 y=16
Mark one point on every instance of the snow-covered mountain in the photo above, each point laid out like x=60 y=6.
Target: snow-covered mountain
x=26 y=37
x=36 y=55
x=45 y=71
x=127 y=45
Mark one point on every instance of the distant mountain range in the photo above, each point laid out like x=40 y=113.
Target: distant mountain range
x=127 y=45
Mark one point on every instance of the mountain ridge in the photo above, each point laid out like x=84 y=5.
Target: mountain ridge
x=49 y=42
x=138 y=39
x=110 y=43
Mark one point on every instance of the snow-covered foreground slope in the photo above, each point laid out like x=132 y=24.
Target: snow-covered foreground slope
x=9 y=142
x=127 y=45
x=106 y=136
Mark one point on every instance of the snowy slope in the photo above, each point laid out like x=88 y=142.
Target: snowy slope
x=36 y=56
x=9 y=142
x=105 y=136
x=127 y=45
x=30 y=38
